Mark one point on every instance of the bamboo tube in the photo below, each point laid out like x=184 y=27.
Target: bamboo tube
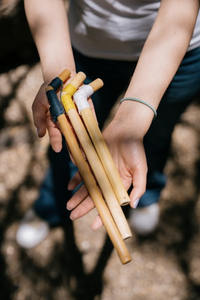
x=95 y=163
x=64 y=75
x=103 y=151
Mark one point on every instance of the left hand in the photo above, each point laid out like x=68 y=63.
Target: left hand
x=127 y=150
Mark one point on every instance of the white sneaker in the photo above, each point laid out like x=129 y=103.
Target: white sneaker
x=144 y=220
x=32 y=230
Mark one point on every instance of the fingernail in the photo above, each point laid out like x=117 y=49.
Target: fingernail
x=71 y=217
x=69 y=187
x=56 y=148
x=94 y=227
x=136 y=202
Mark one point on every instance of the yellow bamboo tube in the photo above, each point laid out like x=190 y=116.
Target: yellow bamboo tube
x=95 y=163
x=64 y=75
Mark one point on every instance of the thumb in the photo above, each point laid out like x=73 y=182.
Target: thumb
x=39 y=118
x=40 y=108
x=139 y=188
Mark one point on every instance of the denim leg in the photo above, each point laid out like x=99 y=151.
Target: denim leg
x=51 y=204
x=45 y=205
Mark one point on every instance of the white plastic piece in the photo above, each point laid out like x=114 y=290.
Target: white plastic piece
x=81 y=97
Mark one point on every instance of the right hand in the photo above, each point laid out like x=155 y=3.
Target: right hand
x=42 y=117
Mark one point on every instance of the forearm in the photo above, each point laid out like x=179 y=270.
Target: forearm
x=49 y=27
x=160 y=58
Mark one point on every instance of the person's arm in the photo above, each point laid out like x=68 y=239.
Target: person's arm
x=161 y=56
x=49 y=27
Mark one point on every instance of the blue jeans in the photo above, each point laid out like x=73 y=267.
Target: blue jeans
x=116 y=76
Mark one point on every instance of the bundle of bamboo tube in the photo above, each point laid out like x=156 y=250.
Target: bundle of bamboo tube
x=106 y=189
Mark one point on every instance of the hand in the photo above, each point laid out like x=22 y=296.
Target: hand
x=43 y=120
x=129 y=156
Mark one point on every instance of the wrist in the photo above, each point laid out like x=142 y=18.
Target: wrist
x=140 y=101
x=136 y=115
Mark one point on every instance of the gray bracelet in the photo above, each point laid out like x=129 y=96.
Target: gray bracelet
x=140 y=101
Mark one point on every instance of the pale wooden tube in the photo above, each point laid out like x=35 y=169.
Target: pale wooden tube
x=103 y=151
x=93 y=190
x=96 y=84
x=76 y=81
x=64 y=75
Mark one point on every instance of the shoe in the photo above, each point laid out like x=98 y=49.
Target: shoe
x=32 y=230
x=144 y=220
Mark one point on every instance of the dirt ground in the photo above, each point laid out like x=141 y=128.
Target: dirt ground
x=165 y=265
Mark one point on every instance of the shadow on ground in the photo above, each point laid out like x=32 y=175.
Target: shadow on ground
x=73 y=262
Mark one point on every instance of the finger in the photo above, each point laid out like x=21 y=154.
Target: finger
x=77 y=198
x=82 y=209
x=74 y=182
x=97 y=223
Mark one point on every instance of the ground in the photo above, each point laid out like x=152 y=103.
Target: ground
x=165 y=265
